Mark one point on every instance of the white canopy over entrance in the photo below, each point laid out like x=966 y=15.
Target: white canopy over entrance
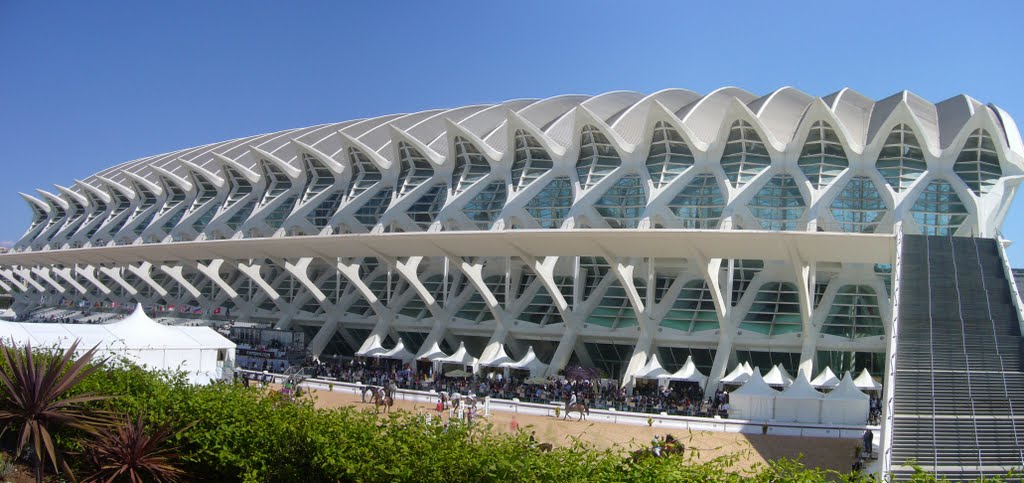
x=199 y=351
x=778 y=377
x=652 y=370
x=460 y=357
x=755 y=400
x=500 y=358
x=845 y=404
x=739 y=375
x=799 y=402
x=432 y=353
x=529 y=362
x=399 y=352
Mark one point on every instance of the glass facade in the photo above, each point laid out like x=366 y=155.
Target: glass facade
x=624 y=202
x=745 y=154
x=484 y=209
x=854 y=313
x=669 y=155
x=424 y=211
x=693 y=310
x=415 y=168
x=978 y=163
x=779 y=204
x=699 y=205
x=823 y=157
x=369 y=214
x=277 y=182
x=859 y=208
x=776 y=310
x=901 y=160
x=530 y=160
x=318 y=177
x=364 y=173
x=470 y=165
x=551 y=206
x=939 y=211
x=598 y=158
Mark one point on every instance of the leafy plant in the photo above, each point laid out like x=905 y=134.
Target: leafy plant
x=129 y=450
x=35 y=389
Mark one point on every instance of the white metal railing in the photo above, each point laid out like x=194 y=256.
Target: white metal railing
x=1008 y=271
x=885 y=446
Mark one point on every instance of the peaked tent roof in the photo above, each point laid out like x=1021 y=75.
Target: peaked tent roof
x=865 y=381
x=688 y=373
x=373 y=349
x=432 y=353
x=847 y=391
x=461 y=356
x=529 y=361
x=739 y=375
x=755 y=387
x=800 y=389
x=826 y=378
x=775 y=377
x=500 y=358
x=398 y=352
x=652 y=370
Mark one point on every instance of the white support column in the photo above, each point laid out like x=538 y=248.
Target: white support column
x=142 y=271
x=64 y=273
x=175 y=272
x=88 y=272
x=803 y=271
x=253 y=272
x=115 y=275
x=212 y=272
x=710 y=269
x=45 y=275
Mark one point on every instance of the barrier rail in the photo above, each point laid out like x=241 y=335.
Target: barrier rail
x=1008 y=271
x=885 y=445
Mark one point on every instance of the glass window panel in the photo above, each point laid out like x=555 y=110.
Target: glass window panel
x=859 y=208
x=669 y=155
x=369 y=214
x=470 y=165
x=901 y=160
x=745 y=155
x=424 y=211
x=484 y=208
x=623 y=203
x=551 y=206
x=854 y=313
x=699 y=205
x=978 y=163
x=779 y=204
x=823 y=156
x=597 y=157
x=939 y=211
x=775 y=311
x=415 y=168
x=531 y=161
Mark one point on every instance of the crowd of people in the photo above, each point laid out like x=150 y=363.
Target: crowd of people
x=676 y=398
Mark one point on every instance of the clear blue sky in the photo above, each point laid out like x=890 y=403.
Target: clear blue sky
x=86 y=85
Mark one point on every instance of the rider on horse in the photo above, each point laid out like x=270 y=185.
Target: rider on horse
x=572 y=402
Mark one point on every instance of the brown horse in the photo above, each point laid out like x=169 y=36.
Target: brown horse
x=371 y=390
x=385 y=401
x=581 y=408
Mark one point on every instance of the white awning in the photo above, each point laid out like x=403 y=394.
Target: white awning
x=432 y=353
x=461 y=356
x=827 y=379
x=500 y=358
x=865 y=381
x=739 y=375
x=399 y=352
x=778 y=377
x=529 y=362
x=652 y=370
x=688 y=373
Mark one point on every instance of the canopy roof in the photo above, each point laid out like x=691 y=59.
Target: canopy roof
x=652 y=370
x=461 y=356
x=374 y=348
x=865 y=381
x=755 y=387
x=847 y=391
x=398 y=352
x=739 y=375
x=135 y=332
x=826 y=379
x=687 y=373
x=500 y=359
x=529 y=362
x=778 y=377
x=432 y=353
x=800 y=389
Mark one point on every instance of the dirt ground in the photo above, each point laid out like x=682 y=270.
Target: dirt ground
x=830 y=453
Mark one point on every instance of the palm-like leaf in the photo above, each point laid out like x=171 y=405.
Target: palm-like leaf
x=36 y=392
x=129 y=451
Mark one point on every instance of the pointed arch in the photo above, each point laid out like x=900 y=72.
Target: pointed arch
x=901 y=161
x=415 y=168
x=823 y=156
x=978 y=163
x=597 y=158
x=319 y=177
x=470 y=165
x=365 y=173
x=775 y=311
x=669 y=155
x=854 y=313
x=530 y=160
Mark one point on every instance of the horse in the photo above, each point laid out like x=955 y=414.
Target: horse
x=371 y=390
x=379 y=401
x=581 y=408
x=545 y=447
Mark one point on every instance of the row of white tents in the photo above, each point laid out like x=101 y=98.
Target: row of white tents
x=800 y=402
x=461 y=357
x=778 y=377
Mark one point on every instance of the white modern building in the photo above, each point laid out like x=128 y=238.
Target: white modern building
x=598 y=230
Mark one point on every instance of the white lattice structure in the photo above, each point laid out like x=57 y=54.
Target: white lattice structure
x=598 y=228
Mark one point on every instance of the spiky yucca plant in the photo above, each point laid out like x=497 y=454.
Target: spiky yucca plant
x=34 y=388
x=129 y=451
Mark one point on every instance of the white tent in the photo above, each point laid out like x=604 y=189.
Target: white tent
x=371 y=347
x=799 y=402
x=687 y=373
x=754 y=401
x=399 y=352
x=529 y=362
x=499 y=360
x=432 y=353
x=827 y=379
x=652 y=370
x=777 y=377
x=865 y=381
x=739 y=375
x=845 y=404
x=200 y=352
x=460 y=357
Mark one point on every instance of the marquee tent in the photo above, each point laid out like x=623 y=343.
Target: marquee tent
x=500 y=358
x=200 y=352
x=373 y=348
x=799 y=402
x=754 y=401
x=777 y=376
x=460 y=357
x=529 y=362
x=652 y=370
x=865 y=381
x=687 y=373
x=399 y=352
x=826 y=379
x=432 y=353
x=739 y=375
x=845 y=404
